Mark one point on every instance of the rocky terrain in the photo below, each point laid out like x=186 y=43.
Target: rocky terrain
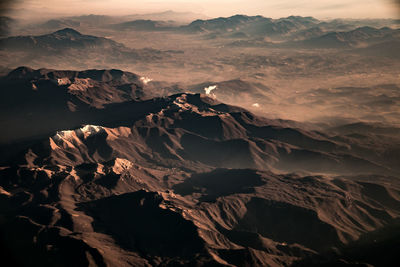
x=101 y=165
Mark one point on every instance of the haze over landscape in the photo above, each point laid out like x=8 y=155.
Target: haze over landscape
x=199 y=133
x=272 y=8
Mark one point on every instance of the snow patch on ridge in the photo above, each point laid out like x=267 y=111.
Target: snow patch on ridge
x=86 y=130
x=145 y=80
x=67 y=137
x=91 y=129
x=63 y=81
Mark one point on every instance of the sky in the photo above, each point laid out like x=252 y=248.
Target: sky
x=212 y=8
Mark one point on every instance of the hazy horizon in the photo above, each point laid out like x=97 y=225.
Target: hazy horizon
x=40 y=9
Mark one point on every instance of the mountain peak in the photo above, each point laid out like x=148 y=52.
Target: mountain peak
x=20 y=72
x=67 y=32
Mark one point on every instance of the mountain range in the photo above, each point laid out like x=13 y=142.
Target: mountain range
x=293 y=31
x=85 y=51
x=69 y=45
x=116 y=175
x=168 y=15
x=360 y=37
x=98 y=21
x=316 y=33
x=72 y=95
x=59 y=41
x=173 y=139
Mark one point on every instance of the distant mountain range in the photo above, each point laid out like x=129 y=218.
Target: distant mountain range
x=252 y=25
x=165 y=18
x=169 y=15
x=296 y=31
x=360 y=37
x=257 y=26
x=58 y=41
x=76 y=48
x=238 y=25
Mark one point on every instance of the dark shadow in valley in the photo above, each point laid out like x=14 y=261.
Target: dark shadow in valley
x=219 y=183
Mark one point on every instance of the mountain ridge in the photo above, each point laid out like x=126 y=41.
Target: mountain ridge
x=119 y=183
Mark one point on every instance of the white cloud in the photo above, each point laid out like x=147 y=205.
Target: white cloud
x=209 y=89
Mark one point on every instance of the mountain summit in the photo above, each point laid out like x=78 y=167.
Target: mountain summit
x=67 y=32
